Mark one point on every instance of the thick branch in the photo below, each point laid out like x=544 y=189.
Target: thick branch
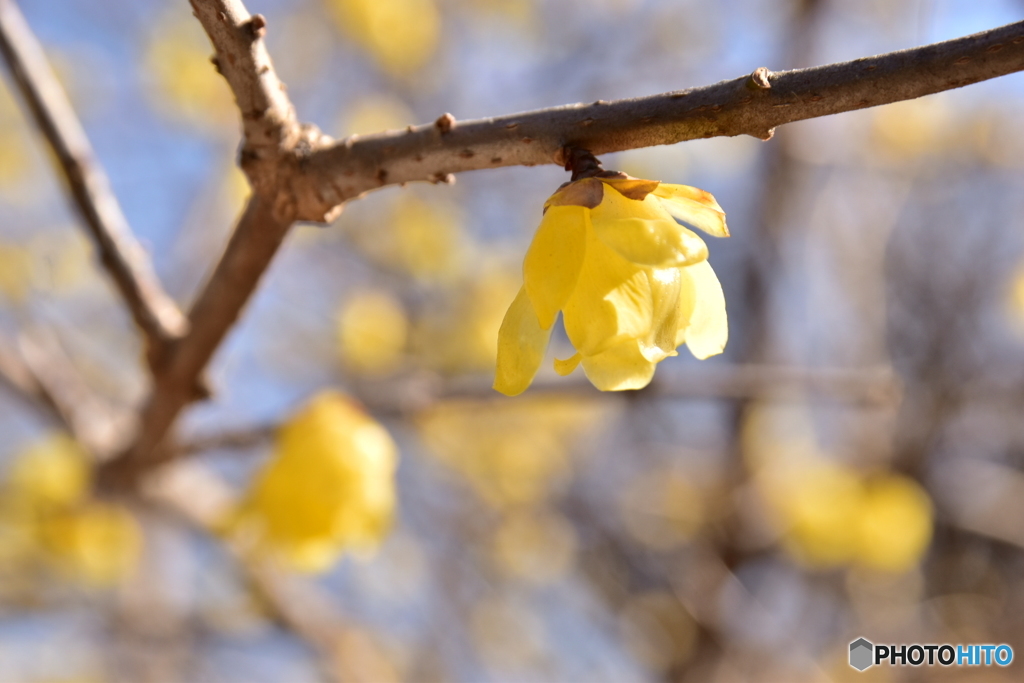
x=123 y=257
x=274 y=142
x=252 y=246
x=750 y=105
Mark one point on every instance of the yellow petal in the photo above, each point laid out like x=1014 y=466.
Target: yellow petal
x=702 y=307
x=565 y=367
x=666 y=286
x=521 y=345
x=553 y=262
x=611 y=301
x=620 y=367
x=693 y=207
x=644 y=232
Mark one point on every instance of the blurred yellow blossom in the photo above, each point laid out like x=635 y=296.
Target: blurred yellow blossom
x=374 y=114
x=372 y=331
x=821 y=505
x=894 y=525
x=186 y=85
x=51 y=516
x=511 y=453
x=831 y=514
x=1015 y=298
x=401 y=35
x=328 y=487
x=63 y=261
x=97 y=543
x=51 y=473
x=461 y=335
x=15 y=156
x=427 y=238
x=907 y=130
x=419 y=236
x=15 y=271
x=632 y=284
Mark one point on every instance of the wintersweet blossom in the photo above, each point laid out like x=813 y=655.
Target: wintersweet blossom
x=632 y=283
x=329 y=487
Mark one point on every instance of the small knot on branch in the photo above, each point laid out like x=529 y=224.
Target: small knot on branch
x=445 y=122
x=581 y=162
x=257 y=26
x=760 y=79
x=442 y=178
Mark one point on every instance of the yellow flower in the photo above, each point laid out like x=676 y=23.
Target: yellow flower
x=400 y=34
x=48 y=512
x=98 y=543
x=895 y=527
x=632 y=284
x=372 y=331
x=329 y=486
x=52 y=473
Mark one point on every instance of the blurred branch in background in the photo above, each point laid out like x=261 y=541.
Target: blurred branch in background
x=194 y=493
x=38 y=371
x=867 y=386
x=408 y=395
x=126 y=261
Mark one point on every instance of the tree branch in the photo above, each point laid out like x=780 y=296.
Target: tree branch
x=750 y=105
x=275 y=143
x=121 y=254
x=253 y=244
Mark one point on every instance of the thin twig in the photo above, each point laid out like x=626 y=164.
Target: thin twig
x=121 y=254
x=239 y=439
x=17 y=376
x=873 y=386
x=38 y=371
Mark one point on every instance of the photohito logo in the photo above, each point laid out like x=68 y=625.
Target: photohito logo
x=864 y=653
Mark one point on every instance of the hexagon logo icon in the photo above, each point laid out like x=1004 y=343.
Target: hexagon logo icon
x=861 y=652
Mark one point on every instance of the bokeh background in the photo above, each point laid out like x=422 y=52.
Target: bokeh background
x=851 y=466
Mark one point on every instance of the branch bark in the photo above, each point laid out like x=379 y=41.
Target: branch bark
x=299 y=174
x=749 y=105
x=253 y=244
x=121 y=254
